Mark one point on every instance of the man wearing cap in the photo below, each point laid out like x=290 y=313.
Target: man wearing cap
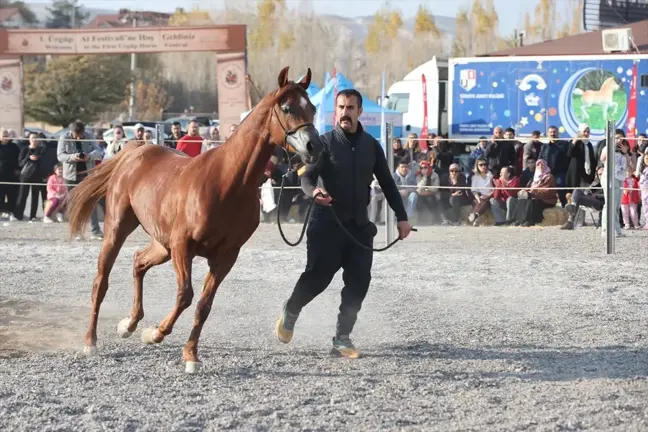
x=139 y=134
x=191 y=144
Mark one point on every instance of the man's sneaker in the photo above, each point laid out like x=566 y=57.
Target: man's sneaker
x=59 y=217
x=343 y=347
x=286 y=325
x=97 y=236
x=47 y=219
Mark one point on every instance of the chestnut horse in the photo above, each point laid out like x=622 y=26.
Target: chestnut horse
x=206 y=206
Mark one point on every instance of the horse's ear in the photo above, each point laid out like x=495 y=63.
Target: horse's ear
x=305 y=82
x=283 y=77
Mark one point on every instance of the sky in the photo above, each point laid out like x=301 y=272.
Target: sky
x=509 y=11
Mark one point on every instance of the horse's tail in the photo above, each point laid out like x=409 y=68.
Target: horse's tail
x=84 y=197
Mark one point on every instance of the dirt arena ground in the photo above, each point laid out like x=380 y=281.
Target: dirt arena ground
x=463 y=329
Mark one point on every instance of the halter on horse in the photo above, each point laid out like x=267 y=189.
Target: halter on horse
x=205 y=206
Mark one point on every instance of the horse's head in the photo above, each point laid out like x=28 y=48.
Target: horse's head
x=293 y=115
x=611 y=84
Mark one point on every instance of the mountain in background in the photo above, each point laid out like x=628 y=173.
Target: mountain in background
x=357 y=25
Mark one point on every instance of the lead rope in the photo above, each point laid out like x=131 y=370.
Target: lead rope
x=308 y=216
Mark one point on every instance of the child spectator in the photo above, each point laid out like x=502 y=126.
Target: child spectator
x=56 y=193
x=630 y=200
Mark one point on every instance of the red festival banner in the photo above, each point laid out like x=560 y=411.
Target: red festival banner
x=632 y=109
x=424 y=129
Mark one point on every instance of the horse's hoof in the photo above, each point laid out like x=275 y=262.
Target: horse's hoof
x=192 y=367
x=149 y=335
x=90 y=350
x=122 y=328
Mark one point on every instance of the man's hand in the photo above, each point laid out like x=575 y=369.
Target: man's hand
x=404 y=228
x=33 y=157
x=322 y=200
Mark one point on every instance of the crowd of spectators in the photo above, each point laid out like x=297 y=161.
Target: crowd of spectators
x=514 y=180
x=509 y=178
x=45 y=170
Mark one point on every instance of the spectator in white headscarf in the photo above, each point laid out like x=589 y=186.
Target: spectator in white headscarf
x=213 y=141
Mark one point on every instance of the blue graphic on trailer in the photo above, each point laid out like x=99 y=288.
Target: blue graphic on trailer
x=533 y=95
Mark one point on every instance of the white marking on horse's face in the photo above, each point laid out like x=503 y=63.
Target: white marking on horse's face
x=303 y=102
x=298 y=141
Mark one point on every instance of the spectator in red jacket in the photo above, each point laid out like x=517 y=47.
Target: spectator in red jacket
x=191 y=144
x=505 y=199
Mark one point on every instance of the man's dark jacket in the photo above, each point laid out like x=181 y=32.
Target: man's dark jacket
x=345 y=169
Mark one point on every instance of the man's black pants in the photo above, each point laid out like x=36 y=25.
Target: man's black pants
x=328 y=250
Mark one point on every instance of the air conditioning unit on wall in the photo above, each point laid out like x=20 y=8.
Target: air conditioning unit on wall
x=617 y=40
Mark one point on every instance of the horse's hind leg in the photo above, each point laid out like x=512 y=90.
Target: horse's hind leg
x=219 y=267
x=182 y=262
x=151 y=256
x=115 y=233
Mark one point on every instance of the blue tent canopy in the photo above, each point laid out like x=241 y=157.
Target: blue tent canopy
x=371 y=111
x=312 y=90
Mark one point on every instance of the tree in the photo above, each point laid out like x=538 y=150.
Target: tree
x=546 y=26
x=383 y=30
x=196 y=89
x=151 y=98
x=462 y=44
x=74 y=87
x=193 y=17
x=424 y=23
x=61 y=14
x=28 y=15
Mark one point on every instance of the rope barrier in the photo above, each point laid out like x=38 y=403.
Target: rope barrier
x=97 y=139
x=399 y=187
x=524 y=139
x=543 y=140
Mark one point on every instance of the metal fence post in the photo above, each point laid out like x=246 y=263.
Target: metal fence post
x=159 y=131
x=390 y=219
x=611 y=209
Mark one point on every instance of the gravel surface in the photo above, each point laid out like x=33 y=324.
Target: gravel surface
x=463 y=329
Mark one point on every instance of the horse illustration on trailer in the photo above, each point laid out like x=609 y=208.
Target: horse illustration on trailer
x=604 y=97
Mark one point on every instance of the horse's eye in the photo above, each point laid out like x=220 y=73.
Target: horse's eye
x=285 y=109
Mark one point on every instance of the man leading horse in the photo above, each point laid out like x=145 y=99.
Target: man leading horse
x=341 y=178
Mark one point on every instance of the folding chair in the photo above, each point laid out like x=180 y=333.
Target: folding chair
x=584 y=211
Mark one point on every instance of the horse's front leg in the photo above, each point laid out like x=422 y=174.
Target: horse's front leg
x=219 y=267
x=182 y=262
x=584 y=110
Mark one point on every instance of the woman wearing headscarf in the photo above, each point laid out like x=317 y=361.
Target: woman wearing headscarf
x=542 y=195
x=213 y=141
x=581 y=169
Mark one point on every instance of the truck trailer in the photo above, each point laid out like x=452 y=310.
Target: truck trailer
x=534 y=93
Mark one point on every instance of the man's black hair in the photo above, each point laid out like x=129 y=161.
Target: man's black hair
x=350 y=92
x=78 y=127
